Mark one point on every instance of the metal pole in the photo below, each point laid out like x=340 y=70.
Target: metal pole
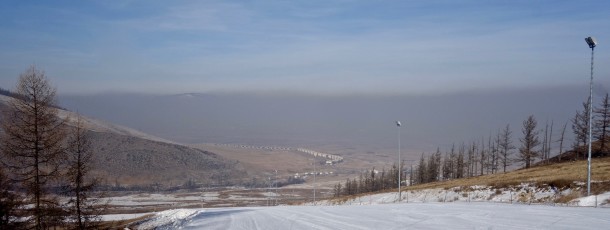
x=275 y=185
x=399 y=164
x=314 y=181
x=590 y=125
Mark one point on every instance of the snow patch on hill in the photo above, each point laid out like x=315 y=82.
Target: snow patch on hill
x=524 y=193
x=594 y=200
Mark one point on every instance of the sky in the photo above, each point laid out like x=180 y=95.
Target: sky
x=316 y=47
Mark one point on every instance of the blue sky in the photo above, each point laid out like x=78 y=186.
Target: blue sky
x=319 y=47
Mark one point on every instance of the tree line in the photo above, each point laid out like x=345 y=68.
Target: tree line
x=369 y=181
x=44 y=157
x=496 y=153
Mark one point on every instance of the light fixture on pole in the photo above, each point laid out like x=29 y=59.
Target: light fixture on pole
x=592 y=43
x=399 y=168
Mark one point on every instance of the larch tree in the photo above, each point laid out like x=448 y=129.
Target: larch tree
x=447 y=171
x=459 y=162
x=452 y=163
x=32 y=140
x=495 y=153
x=563 y=132
x=602 y=123
x=421 y=170
x=10 y=204
x=547 y=141
x=529 y=142
x=433 y=166
x=472 y=162
x=482 y=157
x=84 y=210
x=580 y=127
x=549 y=147
x=505 y=147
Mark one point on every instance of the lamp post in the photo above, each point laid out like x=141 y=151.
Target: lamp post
x=269 y=192
x=275 y=187
x=592 y=43
x=314 y=180
x=399 y=168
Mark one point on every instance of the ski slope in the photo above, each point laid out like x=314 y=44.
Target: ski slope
x=387 y=216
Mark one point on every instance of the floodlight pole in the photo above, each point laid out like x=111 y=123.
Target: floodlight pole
x=314 y=180
x=268 y=198
x=591 y=42
x=275 y=185
x=399 y=164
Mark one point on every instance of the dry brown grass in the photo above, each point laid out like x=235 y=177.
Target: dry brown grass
x=261 y=160
x=559 y=175
x=569 y=197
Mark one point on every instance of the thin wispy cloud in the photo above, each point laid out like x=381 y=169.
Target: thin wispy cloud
x=317 y=47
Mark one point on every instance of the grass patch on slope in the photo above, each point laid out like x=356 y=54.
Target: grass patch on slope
x=559 y=175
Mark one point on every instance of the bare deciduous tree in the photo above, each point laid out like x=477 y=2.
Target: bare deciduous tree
x=482 y=157
x=10 y=204
x=602 y=123
x=80 y=184
x=529 y=142
x=563 y=131
x=546 y=143
x=33 y=138
x=505 y=147
x=580 y=127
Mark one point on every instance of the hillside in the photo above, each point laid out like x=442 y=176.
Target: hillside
x=132 y=160
x=128 y=157
x=559 y=174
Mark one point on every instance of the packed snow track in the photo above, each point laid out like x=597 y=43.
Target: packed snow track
x=394 y=216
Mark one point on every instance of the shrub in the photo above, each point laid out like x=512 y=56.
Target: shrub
x=561 y=183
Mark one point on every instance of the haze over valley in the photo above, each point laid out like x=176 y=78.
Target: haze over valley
x=349 y=124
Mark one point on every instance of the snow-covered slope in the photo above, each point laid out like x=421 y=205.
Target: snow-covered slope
x=170 y=219
x=390 y=216
x=477 y=207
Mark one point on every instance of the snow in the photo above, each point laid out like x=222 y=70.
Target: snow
x=117 y=217
x=523 y=194
x=170 y=219
x=389 y=216
x=598 y=200
x=149 y=199
x=478 y=207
